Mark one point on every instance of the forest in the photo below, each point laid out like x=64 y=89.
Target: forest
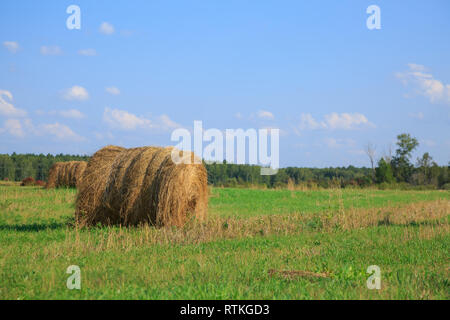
x=396 y=171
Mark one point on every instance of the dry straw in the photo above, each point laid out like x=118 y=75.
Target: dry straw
x=66 y=174
x=141 y=186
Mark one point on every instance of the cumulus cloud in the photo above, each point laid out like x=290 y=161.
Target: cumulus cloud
x=87 y=52
x=424 y=83
x=13 y=127
x=51 y=50
x=11 y=46
x=6 y=108
x=76 y=93
x=121 y=119
x=106 y=28
x=307 y=122
x=334 y=121
x=346 y=121
x=60 y=132
x=21 y=128
x=167 y=123
x=113 y=90
x=265 y=114
x=124 y=120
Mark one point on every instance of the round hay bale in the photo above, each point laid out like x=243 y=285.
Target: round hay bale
x=66 y=174
x=77 y=172
x=53 y=175
x=141 y=185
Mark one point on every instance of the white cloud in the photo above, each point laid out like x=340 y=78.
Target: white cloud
x=167 y=123
x=307 y=122
x=416 y=67
x=76 y=93
x=87 y=52
x=106 y=28
x=60 y=132
x=6 y=108
x=346 y=121
x=124 y=120
x=70 y=114
x=334 y=121
x=425 y=84
x=265 y=114
x=238 y=115
x=11 y=46
x=13 y=127
x=113 y=90
x=51 y=50
x=20 y=128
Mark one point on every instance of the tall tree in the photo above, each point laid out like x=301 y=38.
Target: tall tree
x=383 y=173
x=401 y=161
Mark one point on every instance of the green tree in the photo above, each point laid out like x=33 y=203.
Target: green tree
x=401 y=163
x=383 y=173
x=425 y=173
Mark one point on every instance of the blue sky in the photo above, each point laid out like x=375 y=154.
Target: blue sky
x=136 y=70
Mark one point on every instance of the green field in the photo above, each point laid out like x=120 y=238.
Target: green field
x=255 y=244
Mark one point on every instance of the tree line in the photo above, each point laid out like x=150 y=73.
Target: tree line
x=390 y=171
x=16 y=167
x=399 y=167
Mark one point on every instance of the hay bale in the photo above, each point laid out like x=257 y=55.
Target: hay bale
x=140 y=185
x=66 y=174
x=53 y=175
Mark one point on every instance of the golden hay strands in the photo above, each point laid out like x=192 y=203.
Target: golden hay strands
x=66 y=174
x=141 y=185
x=53 y=175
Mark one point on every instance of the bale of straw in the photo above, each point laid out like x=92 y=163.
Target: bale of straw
x=141 y=186
x=53 y=175
x=76 y=175
x=66 y=174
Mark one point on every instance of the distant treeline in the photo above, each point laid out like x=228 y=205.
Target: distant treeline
x=16 y=167
x=230 y=175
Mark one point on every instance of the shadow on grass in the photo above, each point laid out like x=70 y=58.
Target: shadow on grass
x=411 y=224
x=35 y=227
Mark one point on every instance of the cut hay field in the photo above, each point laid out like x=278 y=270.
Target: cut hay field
x=255 y=244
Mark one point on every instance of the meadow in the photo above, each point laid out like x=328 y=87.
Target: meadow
x=255 y=244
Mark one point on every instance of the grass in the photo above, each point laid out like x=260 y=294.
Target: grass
x=256 y=244
x=253 y=202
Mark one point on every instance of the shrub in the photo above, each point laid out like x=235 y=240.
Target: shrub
x=28 y=182
x=39 y=183
x=446 y=186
